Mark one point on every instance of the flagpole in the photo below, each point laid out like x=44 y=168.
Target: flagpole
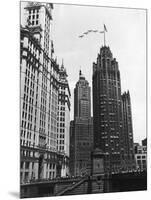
x=105 y=30
x=104 y=37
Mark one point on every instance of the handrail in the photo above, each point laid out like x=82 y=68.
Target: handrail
x=71 y=187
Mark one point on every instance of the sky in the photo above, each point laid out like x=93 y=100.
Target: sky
x=126 y=37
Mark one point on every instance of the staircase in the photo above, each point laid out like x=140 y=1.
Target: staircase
x=76 y=188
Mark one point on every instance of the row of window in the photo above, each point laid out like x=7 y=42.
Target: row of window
x=26 y=165
x=62 y=119
x=27 y=153
x=62 y=108
x=141 y=157
x=62 y=125
x=32 y=49
x=60 y=135
x=27 y=134
x=60 y=148
x=51 y=166
x=33 y=11
x=26 y=124
x=60 y=142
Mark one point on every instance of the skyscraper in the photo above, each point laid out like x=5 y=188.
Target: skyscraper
x=82 y=98
x=81 y=129
x=107 y=115
x=39 y=95
x=112 y=118
x=63 y=119
x=127 y=145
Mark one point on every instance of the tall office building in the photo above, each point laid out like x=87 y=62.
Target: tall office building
x=107 y=115
x=127 y=145
x=39 y=94
x=113 y=132
x=82 y=98
x=81 y=129
x=63 y=119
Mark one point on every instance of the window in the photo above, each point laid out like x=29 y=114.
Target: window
x=26 y=176
x=144 y=161
x=143 y=157
x=27 y=165
x=138 y=157
x=21 y=165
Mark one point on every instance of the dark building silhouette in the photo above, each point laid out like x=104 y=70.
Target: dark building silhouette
x=144 y=142
x=112 y=120
x=127 y=147
x=82 y=98
x=81 y=129
x=107 y=113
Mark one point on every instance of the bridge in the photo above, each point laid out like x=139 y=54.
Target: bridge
x=102 y=183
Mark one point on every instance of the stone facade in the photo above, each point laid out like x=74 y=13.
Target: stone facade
x=63 y=119
x=39 y=96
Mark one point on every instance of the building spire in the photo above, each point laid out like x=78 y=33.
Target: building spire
x=81 y=76
x=62 y=62
x=62 y=65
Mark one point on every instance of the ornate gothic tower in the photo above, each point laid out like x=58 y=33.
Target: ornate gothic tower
x=107 y=115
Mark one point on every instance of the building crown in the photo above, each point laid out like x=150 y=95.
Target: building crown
x=62 y=71
x=106 y=52
x=81 y=76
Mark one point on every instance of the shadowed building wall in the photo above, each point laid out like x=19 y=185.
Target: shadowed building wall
x=112 y=118
x=81 y=129
x=107 y=108
x=127 y=148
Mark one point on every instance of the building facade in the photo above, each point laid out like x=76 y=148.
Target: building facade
x=81 y=130
x=63 y=119
x=39 y=95
x=82 y=98
x=141 y=156
x=107 y=115
x=127 y=144
x=112 y=120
